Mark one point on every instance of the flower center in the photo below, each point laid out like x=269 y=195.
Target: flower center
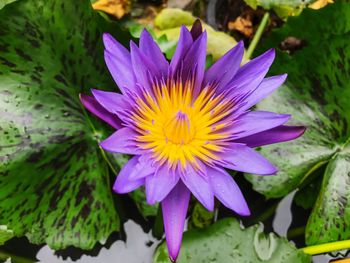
x=179 y=129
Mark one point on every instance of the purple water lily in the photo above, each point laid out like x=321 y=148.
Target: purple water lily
x=185 y=125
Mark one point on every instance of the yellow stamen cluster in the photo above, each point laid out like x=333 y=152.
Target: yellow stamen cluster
x=179 y=129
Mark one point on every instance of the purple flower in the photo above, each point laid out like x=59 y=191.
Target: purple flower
x=185 y=125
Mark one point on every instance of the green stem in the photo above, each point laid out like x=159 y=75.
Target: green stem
x=257 y=36
x=264 y=216
x=296 y=232
x=326 y=248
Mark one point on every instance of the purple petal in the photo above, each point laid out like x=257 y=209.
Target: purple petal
x=251 y=74
x=200 y=187
x=123 y=184
x=151 y=50
x=227 y=191
x=244 y=159
x=95 y=108
x=275 y=135
x=226 y=67
x=196 y=29
x=113 y=102
x=266 y=87
x=122 y=141
x=174 y=208
x=257 y=121
x=194 y=62
x=159 y=185
x=118 y=61
x=143 y=168
x=185 y=41
x=143 y=67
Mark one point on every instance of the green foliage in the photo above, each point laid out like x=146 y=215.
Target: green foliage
x=317 y=94
x=5 y=234
x=226 y=241
x=200 y=216
x=5 y=2
x=283 y=8
x=145 y=209
x=54 y=183
x=169 y=21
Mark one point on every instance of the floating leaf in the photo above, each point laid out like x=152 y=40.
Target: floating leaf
x=283 y=8
x=169 y=21
x=227 y=241
x=317 y=94
x=54 y=183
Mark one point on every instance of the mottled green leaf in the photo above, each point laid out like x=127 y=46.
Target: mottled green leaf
x=226 y=241
x=317 y=94
x=330 y=219
x=54 y=183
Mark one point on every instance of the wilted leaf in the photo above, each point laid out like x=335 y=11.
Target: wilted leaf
x=243 y=25
x=54 y=183
x=226 y=241
x=318 y=4
x=117 y=8
x=317 y=94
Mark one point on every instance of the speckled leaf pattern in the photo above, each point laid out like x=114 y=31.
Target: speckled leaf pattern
x=317 y=94
x=330 y=220
x=54 y=184
x=226 y=241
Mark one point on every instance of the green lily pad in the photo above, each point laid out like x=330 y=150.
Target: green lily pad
x=317 y=94
x=54 y=183
x=169 y=21
x=226 y=241
x=283 y=8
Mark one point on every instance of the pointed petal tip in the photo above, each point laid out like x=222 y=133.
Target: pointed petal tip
x=196 y=29
x=107 y=39
x=240 y=43
x=272 y=171
x=105 y=36
x=173 y=257
x=84 y=99
x=245 y=211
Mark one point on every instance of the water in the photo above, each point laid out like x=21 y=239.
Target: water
x=137 y=248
